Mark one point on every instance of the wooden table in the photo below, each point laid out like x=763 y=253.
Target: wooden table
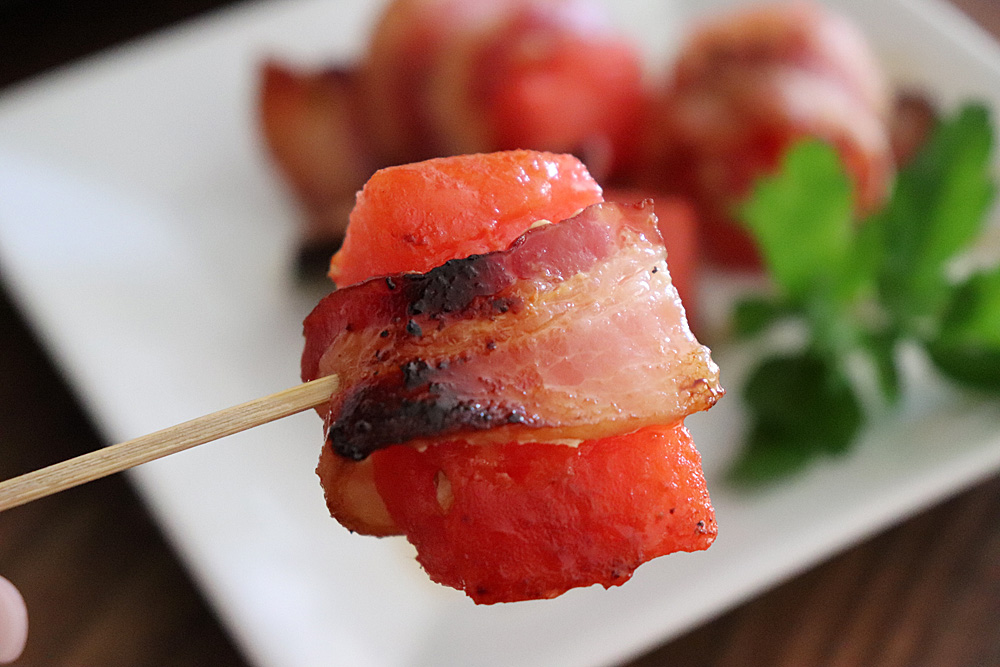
x=105 y=590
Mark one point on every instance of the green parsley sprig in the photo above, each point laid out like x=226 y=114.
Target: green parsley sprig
x=863 y=289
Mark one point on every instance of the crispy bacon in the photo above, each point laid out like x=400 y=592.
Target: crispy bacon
x=575 y=332
x=312 y=126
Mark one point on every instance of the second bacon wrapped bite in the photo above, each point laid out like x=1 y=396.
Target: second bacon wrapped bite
x=744 y=88
x=517 y=413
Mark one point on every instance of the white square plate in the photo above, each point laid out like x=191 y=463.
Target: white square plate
x=150 y=244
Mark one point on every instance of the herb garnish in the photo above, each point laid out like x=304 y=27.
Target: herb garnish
x=862 y=289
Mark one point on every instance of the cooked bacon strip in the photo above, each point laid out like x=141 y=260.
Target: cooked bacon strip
x=913 y=118
x=312 y=125
x=575 y=332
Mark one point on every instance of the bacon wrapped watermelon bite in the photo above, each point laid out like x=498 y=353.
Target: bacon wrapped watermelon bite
x=515 y=370
x=444 y=77
x=749 y=84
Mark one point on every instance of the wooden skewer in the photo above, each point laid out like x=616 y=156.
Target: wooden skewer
x=108 y=460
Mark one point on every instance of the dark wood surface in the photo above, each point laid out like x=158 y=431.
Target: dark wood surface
x=104 y=589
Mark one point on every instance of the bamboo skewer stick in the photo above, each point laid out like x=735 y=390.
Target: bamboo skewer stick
x=115 y=458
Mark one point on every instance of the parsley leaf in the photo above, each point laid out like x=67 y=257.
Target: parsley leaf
x=862 y=288
x=802 y=221
x=803 y=405
x=938 y=208
x=754 y=315
x=967 y=347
